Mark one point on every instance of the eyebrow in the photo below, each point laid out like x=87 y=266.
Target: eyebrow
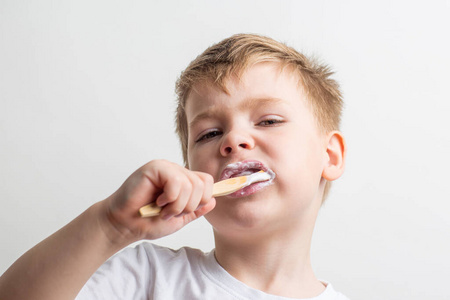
x=248 y=104
x=253 y=103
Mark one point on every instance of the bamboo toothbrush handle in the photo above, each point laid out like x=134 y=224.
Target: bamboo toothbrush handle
x=150 y=210
x=220 y=188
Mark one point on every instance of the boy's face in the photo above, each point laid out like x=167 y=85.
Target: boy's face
x=265 y=123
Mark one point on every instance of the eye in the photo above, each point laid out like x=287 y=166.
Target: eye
x=271 y=122
x=209 y=135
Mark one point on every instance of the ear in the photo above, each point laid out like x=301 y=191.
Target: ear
x=335 y=156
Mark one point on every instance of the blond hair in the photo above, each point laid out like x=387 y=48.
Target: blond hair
x=232 y=56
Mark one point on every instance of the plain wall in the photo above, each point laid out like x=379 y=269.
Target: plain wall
x=87 y=97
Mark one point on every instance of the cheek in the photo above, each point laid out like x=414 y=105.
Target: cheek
x=194 y=156
x=200 y=161
x=194 y=160
x=300 y=159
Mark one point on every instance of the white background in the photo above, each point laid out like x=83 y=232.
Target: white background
x=87 y=97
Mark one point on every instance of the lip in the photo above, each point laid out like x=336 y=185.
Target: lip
x=242 y=168
x=251 y=189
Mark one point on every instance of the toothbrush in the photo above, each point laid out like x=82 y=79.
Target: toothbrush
x=221 y=188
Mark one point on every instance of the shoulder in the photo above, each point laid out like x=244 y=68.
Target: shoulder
x=135 y=272
x=150 y=258
x=164 y=254
x=330 y=293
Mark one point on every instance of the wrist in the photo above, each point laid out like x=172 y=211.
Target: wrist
x=115 y=235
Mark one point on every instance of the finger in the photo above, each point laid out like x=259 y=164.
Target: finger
x=201 y=211
x=202 y=186
x=172 y=188
x=206 y=208
x=208 y=183
x=177 y=206
x=198 y=187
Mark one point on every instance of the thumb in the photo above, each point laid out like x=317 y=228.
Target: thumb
x=201 y=211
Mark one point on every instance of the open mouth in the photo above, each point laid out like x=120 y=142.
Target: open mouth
x=245 y=168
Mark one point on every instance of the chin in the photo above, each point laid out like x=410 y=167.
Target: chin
x=244 y=216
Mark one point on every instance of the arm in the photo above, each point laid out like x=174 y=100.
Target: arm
x=59 y=266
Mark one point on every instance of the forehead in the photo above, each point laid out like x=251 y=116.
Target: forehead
x=266 y=80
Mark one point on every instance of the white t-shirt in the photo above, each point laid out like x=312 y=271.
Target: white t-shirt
x=149 y=271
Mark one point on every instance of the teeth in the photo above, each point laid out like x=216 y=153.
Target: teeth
x=244 y=168
x=241 y=174
x=245 y=173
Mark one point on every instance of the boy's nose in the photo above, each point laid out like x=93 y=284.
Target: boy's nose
x=234 y=142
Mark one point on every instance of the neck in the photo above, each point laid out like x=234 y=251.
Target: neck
x=274 y=262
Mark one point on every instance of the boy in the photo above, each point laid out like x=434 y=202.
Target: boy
x=246 y=104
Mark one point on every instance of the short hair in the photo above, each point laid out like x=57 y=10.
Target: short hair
x=233 y=55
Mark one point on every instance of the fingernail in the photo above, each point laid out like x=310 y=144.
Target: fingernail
x=166 y=217
x=161 y=203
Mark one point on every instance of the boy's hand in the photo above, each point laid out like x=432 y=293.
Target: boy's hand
x=59 y=266
x=184 y=195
